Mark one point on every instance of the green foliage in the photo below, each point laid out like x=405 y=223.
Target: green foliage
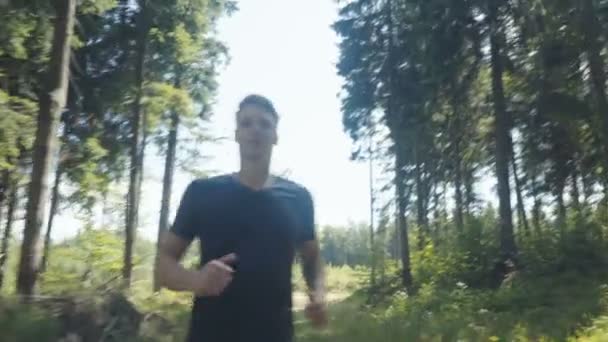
x=553 y=298
x=25 y=323
x=422 y=69
x=96 y=6
x=432 y=73
x=92 y=260
x=432 y=267
x=161 y=99
x=82 y=164
x=596 y=332
x=535 y=309
x=339 y=279
x=16 y=127
x=347 y=245
x=17 y=26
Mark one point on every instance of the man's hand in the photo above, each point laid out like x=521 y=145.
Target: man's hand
x=214 y=277
x=316 y=311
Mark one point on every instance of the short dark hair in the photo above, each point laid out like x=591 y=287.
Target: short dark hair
x=260 y=101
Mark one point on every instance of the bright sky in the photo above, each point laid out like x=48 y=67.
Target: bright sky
x=285 y=50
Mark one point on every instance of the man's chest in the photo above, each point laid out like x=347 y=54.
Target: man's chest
x=249 y=224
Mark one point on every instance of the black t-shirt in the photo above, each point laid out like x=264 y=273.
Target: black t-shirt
x=263 y=227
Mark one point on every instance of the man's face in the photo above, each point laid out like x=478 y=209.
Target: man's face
x=255 y=132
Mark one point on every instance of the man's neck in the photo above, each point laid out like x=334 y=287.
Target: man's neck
x=254 y=174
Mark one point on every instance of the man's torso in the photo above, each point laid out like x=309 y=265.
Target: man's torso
x=263 y=228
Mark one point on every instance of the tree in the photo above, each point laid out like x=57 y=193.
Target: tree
x=17 y=106
x=52 y=102
x=12 y=191
x=368 y=62
x=372 y=200
x=521 y=211
x=52 y=212
x=503 y=138
x=591 y=32
x=137 y=139
x=178 y=105
x=187 y=49
x=175 y=41
x=402 y=203
x=25 y=59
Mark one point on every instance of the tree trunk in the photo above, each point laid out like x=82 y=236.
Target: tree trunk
x=167 y=186
x=371 y=212
x=458 y=197
x=457 y=170
x=468 y=188
x=422 y=199
x=381 y=255
x=436 y=214
x=508 y=248
x=591 y=28
x=420 y=220
x=523 y=219
x=591 y=33
x=402 y=199
x=534 y=188
x=53 y=211
x=536 y=206
x=8 y=228
x=561 y=209
x=444 y=207
x=52 y=102
x=532 y=144
x=137 y=133
x=576 y=195
x=4 y=185
x=588 y=188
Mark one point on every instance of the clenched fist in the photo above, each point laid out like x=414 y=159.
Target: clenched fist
x=214 y=277
x=316 y=311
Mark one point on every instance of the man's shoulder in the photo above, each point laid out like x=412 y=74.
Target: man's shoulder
x=209 y=183
x=292 y=186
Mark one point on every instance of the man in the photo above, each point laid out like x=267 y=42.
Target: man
x=250 y=225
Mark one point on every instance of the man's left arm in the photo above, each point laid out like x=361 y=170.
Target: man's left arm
x=312 y=265
x=313 y=270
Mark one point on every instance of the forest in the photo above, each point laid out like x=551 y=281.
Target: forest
x=450 y=100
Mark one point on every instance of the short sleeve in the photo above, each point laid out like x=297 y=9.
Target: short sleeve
x=185 y=222
x=307 y=226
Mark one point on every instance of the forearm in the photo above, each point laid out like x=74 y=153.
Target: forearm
x=313 y=271
x=173 y=276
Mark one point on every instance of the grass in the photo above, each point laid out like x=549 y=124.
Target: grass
x=26 y=323
x=559 y=309
x=174 y=308
x=568 y=307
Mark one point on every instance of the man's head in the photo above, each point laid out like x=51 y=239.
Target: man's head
x=256 y=127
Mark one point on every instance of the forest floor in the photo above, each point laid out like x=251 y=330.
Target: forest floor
x=567 y=307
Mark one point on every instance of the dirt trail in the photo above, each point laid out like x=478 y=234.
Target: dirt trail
x=300 y=299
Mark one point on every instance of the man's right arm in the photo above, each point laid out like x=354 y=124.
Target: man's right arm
x=210 y=280
x=174 y=243
x=214 y=276
x=171 y=274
